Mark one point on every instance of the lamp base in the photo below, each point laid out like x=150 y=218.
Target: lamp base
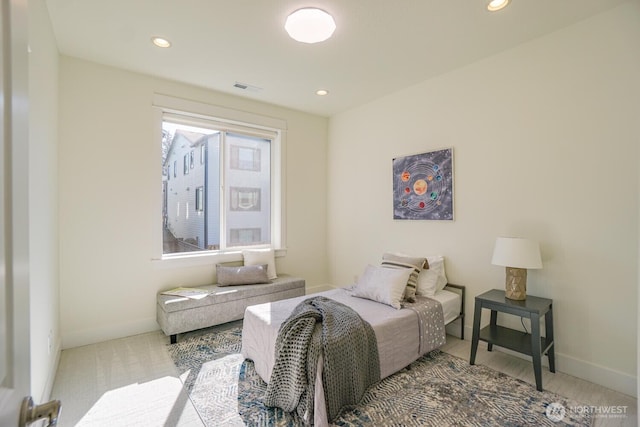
x=516 y=283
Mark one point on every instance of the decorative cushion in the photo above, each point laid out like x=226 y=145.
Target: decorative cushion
x=442 y=275
x=414 y=264
x=384 y=285
x=259 y=257
x=244 y=275
x=433 y=279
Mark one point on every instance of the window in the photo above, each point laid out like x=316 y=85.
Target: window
x=236 y=190
x=245 y=199
x=244 y=236
x=200 y=199
x=245 y=158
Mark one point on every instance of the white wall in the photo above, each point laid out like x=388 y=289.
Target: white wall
x=43 y=201
x=545 y=140
x=110 y=188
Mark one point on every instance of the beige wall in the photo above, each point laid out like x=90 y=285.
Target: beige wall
x=110 y=186
x=43 y=201
x=545 y=140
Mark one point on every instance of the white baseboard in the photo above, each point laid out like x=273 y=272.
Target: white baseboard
x=602 y=375
x=453 y=328
x=121 y=330
x=607 y=377
x=588 y=371
x=109 y=332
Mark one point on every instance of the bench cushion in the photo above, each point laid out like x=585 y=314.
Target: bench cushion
x=222 y=294
x=225 y=303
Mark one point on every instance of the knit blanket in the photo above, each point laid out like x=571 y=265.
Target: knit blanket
x=350 y=362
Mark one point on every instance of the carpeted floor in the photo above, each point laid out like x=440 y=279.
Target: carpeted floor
x=436 y=390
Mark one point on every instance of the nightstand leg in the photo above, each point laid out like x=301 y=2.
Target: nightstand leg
x=494 y=322
x=536 y=350
x=476 y=331
x=548 y=325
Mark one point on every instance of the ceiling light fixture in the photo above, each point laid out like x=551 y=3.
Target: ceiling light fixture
x=310 y=25
x=322 y=92
x=495 y=5
x=160 y=42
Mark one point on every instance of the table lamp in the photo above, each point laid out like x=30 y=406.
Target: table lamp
x=517 y=255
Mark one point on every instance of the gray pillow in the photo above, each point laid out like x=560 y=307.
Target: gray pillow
x=414 y=263
x=243 y=275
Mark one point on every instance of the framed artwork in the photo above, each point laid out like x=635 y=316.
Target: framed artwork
x=423 y=186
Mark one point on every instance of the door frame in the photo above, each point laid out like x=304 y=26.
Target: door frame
x=15 y=357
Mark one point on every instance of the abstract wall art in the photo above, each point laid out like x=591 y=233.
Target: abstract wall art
x=423 y=186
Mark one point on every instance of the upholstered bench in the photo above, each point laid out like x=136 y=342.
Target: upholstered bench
x=176 y=315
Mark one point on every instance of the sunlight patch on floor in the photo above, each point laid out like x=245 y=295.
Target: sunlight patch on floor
x=151 y=403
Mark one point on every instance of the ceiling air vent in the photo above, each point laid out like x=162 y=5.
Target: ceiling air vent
x=245 y=86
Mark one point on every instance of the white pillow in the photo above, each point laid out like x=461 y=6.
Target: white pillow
x=442 y=275
x=259 y=257
x=384 y=285
x=433 y=279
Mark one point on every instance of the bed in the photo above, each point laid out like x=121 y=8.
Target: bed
x=396 y=331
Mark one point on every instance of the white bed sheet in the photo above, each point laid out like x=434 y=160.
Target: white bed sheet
x=396 y=333
x=451 y=303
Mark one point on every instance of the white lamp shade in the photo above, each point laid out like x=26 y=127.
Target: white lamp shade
x=516 y=252
x=310 y=25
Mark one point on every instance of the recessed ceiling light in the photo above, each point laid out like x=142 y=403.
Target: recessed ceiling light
x=160 y=42
x=310 y=25
x=322 y=92
x=495 y=5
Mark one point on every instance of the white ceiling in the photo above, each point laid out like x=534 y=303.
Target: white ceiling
x=379 y=46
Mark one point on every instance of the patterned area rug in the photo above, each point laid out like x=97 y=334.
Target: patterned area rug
x=436 y=390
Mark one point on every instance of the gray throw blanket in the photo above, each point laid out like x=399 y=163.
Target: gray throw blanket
x=350 y=358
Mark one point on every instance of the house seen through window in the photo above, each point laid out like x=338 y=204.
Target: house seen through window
x=221 y=198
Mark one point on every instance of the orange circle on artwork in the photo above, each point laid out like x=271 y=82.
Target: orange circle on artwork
x=430 y=177
x=405 y=176
x=420 y=187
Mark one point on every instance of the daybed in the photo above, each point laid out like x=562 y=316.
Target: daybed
x=398 y=333
x=177 y=315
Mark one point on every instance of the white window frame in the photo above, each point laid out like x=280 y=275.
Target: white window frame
x=230 y=120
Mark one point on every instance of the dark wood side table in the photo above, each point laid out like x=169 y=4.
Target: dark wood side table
x=531 y=344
